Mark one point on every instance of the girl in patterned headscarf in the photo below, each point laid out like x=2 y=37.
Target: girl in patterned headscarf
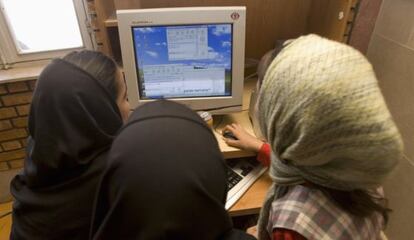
x=332 y=140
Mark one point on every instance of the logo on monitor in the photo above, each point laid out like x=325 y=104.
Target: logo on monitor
x=235 y=16
x=141 y=22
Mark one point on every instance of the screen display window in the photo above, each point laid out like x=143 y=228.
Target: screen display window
x=183 y=61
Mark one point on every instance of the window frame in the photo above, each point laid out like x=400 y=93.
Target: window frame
x=9 y=52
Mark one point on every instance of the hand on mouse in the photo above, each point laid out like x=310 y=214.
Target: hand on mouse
x=244 y=139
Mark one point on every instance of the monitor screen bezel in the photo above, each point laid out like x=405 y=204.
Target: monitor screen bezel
x=185 y=16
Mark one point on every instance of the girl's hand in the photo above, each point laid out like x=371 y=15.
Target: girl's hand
x=244 y=139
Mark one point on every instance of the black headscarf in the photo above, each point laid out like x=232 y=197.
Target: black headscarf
x=166 y=179
x=73 y=121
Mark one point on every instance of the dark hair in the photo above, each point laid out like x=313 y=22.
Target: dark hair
x=360 y=203
x=267 y=59
x=100 y=66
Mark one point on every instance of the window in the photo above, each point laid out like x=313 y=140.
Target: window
x=34 y=30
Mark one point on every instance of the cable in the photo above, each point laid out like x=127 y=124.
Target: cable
x=250 y=62
x=250 y=76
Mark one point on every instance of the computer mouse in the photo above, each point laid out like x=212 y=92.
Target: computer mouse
x=229 y=134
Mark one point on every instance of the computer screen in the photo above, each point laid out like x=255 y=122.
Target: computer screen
x=194 y=56
x=183 y=61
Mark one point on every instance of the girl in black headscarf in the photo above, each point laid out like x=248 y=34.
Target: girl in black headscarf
x=78 y=106
x=166 y=179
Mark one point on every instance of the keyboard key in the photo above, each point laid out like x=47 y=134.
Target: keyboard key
x=253 y=161
x=232 y=178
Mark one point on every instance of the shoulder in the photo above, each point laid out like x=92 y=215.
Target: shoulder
x=299 y=198
x=312 y=214
x=298 y=205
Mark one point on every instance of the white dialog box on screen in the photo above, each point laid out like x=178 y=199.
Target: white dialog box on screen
x=187 y=43
x=171 y=80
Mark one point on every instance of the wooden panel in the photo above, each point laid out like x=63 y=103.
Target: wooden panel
x=104 y=9
x=127 y=4
x=111 y=21
x=326 y=19
x=267 y=20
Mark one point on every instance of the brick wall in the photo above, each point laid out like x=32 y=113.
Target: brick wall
x=15 y=101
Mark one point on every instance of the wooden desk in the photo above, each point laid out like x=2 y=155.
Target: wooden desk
x=6 y=221
x=252 y=200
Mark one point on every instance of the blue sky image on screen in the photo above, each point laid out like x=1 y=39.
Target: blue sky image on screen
x=183 y=61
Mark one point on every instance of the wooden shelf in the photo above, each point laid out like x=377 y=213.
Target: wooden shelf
x=111 y=21
x=266 y=21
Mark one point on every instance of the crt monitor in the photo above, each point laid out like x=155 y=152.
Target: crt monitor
x=191 y=55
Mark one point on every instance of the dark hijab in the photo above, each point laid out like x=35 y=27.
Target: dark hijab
x=73 y=120
x=166 y=179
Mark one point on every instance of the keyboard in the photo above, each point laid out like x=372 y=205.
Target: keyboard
x=241 y=174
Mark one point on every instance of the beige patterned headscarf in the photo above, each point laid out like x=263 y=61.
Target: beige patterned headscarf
x=322 y=112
